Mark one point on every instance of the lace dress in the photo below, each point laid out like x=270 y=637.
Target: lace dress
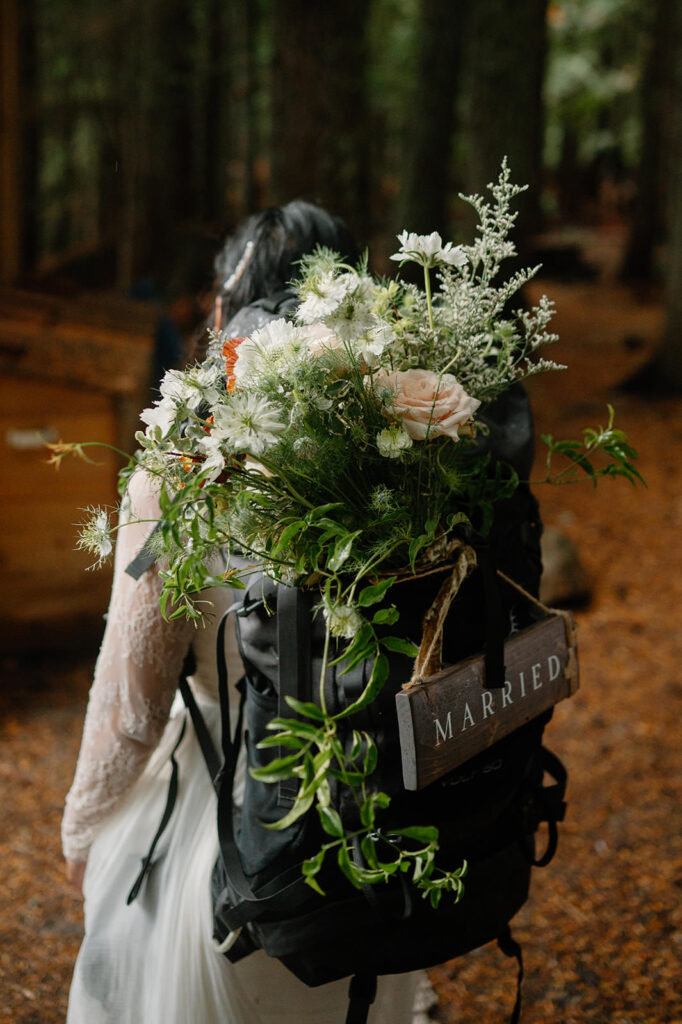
x=153 y=962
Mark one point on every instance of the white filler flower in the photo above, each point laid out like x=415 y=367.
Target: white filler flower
x=428 y=250
x=344 y=620
x=393 y=441
x=322 y=296
x=95 y=535
x=248 y=424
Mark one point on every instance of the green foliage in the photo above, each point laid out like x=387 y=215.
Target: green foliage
x=322 y=747
x=609 y=442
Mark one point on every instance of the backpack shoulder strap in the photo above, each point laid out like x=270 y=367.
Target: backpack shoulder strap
x=295 y=664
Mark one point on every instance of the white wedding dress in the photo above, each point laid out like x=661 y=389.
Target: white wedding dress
x=153 y=962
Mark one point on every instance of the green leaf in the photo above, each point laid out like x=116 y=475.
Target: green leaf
x=356 y=745
x=373 y=688
x=295 y=726
x=375 y=593
x=342 y=551
x=386 y=616
x=400 y=646
x=314 y=884
x=312 y=865
x=279 y=768
x=282 y=740
x=331 y=822
x=302 y=805
x=305 y=708
x=367 y=814
x=349 y=869
x=288 y=535
x=359 y=642
x=422 y=833
x=317 y=513
x=371 y=757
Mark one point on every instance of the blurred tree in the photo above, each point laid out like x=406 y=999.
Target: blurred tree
x=668 y=361
x=648 y=216
x=426 y=184
x=663 y=373
x=319 y=106
x=592 y=117
x=505 y=55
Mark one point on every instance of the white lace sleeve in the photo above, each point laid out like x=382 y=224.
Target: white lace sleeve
x=135 y=680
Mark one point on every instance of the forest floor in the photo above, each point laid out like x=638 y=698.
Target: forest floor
x=601 y=933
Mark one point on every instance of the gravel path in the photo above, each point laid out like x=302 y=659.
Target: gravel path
x=601 y=933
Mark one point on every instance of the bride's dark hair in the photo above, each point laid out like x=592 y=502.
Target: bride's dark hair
x=259 y=259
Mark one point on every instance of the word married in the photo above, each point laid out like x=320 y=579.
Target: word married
x=473 y=713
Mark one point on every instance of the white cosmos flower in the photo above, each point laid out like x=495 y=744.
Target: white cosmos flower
x=248 y=424
x=162 y=415
x=210 y=447
x=322 y=296
x=393 y=441
x=278 y=339
x=428 y=250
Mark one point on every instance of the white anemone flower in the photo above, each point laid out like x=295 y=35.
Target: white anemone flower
x=248 y=424
x=428 y=250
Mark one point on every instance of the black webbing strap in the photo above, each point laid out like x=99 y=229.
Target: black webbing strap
x=286 y=886
x=295 y=665
x=144 y=559
x=497 y=625
x=165 y=818
x=511 y=948
x=361 y=994
x=208 y=749
x=547 y=806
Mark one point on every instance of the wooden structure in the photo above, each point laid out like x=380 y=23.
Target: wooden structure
x=452 y=716
x=71 y=370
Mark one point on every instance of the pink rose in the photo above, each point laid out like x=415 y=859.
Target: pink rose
x=425 y=408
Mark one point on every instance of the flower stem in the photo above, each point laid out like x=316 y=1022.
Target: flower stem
x=427 y=289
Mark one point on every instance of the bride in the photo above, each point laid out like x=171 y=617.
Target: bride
x=152 y=962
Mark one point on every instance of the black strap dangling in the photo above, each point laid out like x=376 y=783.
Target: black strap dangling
x=361 y=994
x=510 y=947
x=165 y=818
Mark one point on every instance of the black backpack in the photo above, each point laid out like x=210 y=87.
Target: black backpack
x=487 y=810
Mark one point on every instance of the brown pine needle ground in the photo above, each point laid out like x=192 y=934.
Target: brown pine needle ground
x=602 y=934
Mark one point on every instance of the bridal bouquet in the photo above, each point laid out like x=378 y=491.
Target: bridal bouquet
x=340 y=451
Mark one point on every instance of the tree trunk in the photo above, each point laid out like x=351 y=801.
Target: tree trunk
x=319 y=110
x=428 y=150
x=669 y=357
x=648 y=217
x=238 y=146
x=505 y=46
x=663 y=374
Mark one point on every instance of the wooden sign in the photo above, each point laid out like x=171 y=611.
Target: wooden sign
x=450 y=717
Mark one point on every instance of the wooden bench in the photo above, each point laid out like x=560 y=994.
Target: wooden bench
x=72 y=370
